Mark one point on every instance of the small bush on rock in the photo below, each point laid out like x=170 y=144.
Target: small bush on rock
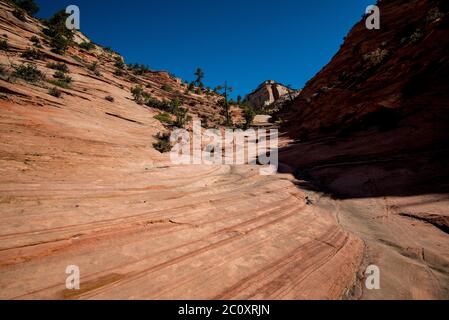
x=29 y=6
x=88 y=46
x=4 y=45
x=58 y=66
x=19 y=14
x=376 y=57
x=29 y=73
x=55 y=92
x=32 y=54
x=163 y=143
x=164 y=118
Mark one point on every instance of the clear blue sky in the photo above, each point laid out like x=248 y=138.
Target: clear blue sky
x=242 y=41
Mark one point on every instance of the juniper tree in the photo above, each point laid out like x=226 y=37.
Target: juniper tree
x=199 y=73
x=225 y=103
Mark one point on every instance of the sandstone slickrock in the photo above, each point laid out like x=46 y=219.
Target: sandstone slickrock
x=372 y=130
x=80 y=184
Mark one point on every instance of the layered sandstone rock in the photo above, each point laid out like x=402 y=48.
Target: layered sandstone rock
x=371 y=129
x=81 y=184
x=270 y=95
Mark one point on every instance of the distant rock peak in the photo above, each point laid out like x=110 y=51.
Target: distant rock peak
x=270 y=93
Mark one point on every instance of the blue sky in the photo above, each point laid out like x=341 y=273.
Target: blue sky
x=242 y=41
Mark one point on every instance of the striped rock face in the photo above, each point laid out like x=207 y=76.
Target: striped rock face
x=266 y=94
x=85 y=197
x=83 y=189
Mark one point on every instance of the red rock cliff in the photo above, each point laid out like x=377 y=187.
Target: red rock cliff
x=375 y=120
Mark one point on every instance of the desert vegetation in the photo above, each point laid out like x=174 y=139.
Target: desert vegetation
x=60 y=36
x=165 y=118
x=4 y=45
x=55 y=92
x=61 y=79
x=248 y=114
x=33 y=54
x=162 y=143
x=29 y=72
x=88 y=46
x=58 y=66
x=29 y=6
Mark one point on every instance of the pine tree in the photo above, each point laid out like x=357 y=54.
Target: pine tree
x=199 y=73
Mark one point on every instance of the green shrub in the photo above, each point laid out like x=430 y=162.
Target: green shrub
x=29 y=73
x=411 y=34
x=59 y=75
x=28 y=5
x=58 y=66
x=61 y=36
x=110 y=98
x=2 y=70
x=35 y=40
x=56 y=26
x=434 y=14
x=199 y=74
x=118 y=72
x=59 y=83
x=181 y=117
x=173 y=107
x=249 y=114
x=138 y=69
x=119 y=64
x=416 y=36
x=133 y=79
x=59 y=43
x=93 y=66
x=32 y=54
x=163 y=143
x=137 y=93
x=19 y=14
x=88 y=46
x=78 y=59
x=167 y=88
x=376 y=57
x=55 y=92
x=63 y=78
x=4 y=45
x=161 y=105
x=164 y=118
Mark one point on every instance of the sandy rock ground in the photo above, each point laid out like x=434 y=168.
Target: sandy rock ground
x=139 y=228
x=405 y=233
x=80 y=184
x=412 y=254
